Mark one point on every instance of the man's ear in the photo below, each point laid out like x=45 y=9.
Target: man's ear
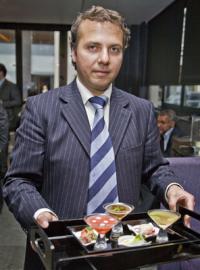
x=73 y=55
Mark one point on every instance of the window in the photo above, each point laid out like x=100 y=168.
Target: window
x=192 y=96
x=7 y=53
x=155 y=95
x=172 y=94
x=40 y=51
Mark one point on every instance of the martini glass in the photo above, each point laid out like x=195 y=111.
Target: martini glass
x=163 y=218
x=118 y=210
x=102 y=223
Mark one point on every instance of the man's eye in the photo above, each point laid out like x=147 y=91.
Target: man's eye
x=115 y=50
x=92 y=48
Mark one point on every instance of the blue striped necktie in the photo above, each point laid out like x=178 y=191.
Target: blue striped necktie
x=103 y=180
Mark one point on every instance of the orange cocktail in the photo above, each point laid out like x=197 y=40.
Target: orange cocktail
x=118 y=210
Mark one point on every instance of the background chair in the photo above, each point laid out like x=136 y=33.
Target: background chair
x=188 y=169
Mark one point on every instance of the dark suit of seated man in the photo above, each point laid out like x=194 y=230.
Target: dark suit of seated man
x=166 y=122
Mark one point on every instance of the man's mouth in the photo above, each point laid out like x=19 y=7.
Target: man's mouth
x=101 y=72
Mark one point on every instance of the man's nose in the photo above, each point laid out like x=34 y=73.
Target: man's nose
x=104 y=56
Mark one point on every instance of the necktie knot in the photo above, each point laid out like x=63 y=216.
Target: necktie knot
x=98 y=102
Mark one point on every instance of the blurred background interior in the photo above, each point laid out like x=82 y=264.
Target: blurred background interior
x=162 y=63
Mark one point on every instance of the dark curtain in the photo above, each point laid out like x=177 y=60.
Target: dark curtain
x=164 y=45
x=131 y=76
x=191 y=59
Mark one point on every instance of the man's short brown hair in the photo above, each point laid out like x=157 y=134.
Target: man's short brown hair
x=100 y=14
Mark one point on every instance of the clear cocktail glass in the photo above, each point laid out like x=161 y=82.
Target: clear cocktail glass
x=163 y=218
x=101 y=223
x=118 y=210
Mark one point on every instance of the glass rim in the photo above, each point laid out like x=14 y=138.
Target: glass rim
x=119 y=203
x=164 y=210
x=97 y=214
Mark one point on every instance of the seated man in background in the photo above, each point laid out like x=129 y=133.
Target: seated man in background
x=166 y=122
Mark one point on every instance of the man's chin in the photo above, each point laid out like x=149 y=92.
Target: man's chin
x=101 y=87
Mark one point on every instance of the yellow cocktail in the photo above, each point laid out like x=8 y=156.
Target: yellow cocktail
x=163 y=218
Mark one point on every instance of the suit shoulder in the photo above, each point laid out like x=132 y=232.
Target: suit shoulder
x=50 y=95
x=9 y=85
x=137 y=101
x=178 y=132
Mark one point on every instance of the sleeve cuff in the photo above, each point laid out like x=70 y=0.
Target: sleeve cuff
x=171 y=184
x=39 y=211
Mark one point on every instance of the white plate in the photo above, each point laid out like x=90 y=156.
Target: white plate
x=139 y=229
x=78 y=235
x=128 y=241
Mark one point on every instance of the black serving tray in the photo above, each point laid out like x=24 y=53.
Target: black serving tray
x=59 y=249
x=113 y=244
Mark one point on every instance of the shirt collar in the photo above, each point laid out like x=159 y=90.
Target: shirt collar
x=86 y=94
x=168 y=133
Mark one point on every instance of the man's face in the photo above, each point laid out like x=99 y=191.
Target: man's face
x=98 y=54
x=164 y=123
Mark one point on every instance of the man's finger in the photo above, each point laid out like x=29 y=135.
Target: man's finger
x=187 y=220
x=44 y=218
x=173 y=203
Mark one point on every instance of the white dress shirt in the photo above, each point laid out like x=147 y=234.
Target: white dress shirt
x=86 y=95
x=166 y=136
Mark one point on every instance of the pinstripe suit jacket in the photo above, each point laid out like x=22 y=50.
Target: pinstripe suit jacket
x=50 y=166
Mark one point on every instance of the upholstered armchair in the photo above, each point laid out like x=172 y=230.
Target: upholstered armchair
x=188 y=169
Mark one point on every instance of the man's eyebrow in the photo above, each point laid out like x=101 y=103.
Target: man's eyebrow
x=99 y=43
x=93 y=42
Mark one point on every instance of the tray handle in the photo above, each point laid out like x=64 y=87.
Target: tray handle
x=42 y=245
x=185 y=211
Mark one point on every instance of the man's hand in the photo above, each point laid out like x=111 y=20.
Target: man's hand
x=44 y=218
x=177 y=195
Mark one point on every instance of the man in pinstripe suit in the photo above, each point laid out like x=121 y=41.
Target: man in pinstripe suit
x=49 y=175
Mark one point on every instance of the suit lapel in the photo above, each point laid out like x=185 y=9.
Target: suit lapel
x=75 y=114
x=119 y=118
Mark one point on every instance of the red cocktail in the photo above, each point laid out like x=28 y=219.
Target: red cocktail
x=102 y=223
